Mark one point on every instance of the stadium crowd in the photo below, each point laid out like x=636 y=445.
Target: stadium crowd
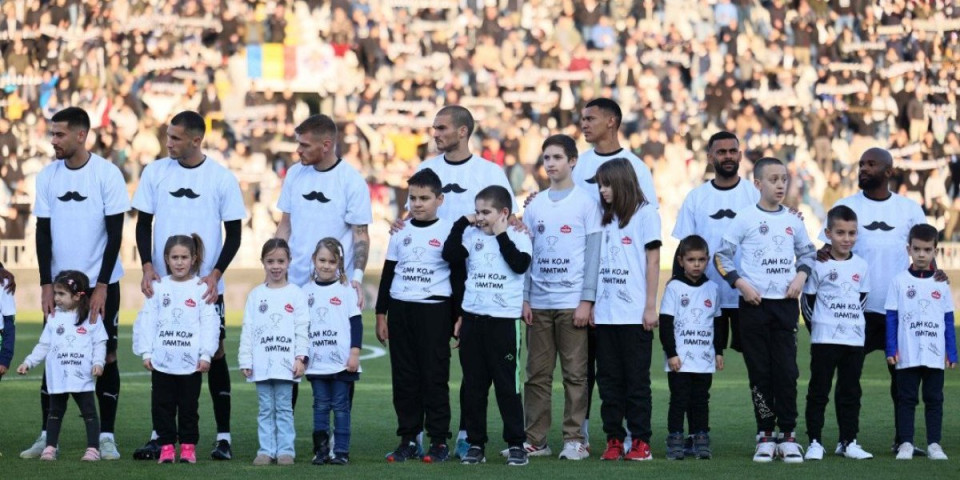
x=812 y=82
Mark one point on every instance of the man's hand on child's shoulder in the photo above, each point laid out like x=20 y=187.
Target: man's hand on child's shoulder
x=824 y=253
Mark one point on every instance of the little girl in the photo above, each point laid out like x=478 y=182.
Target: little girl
x=627 y=286
x=334 y=363
x=176 y=333
x=74 y=350
x=8 y=327
x=273 y=351
x=692 y=347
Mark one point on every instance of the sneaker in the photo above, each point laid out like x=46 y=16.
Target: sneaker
x=167 y=454
x=149 y=451
x=405 y=451
x=108 y=449
x=614 y=450
x=339 y=458
x=675 y=446
x=262 y=460
x=701 y=444
x=36 y=449
x=473 y=456
x=688 y=450
x=321 y=447
x=221 y=450
x=935 y=452
x=462 y=448
x=285 y=460
x=188 y=453
x=639 y=451
x=574 y=451
x=905 y=451
x=438 y=452
x=532 y=450
x=518 y=457
x=855 y=451
x=48 y=454
x=766 y=448
x=789 y=450
x=814 y=451
x=91 y=455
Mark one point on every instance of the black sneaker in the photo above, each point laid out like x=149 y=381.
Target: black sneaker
x=439 y=452
x=339 y=458
x=701 y=443
x=149 y=451
x=517 y=457
x=221 y=450
x=407 y=450
x=675 y=450
x=474 y=456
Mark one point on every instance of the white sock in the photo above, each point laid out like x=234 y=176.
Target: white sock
x=106 y=436
x=420 y=438
x=154 y=436
x=461 y=435
x=585 y=430
x=43 y=434
x=224 y=436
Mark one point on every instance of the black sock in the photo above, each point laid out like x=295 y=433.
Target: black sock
x=108 y=393
x=218 y=380
x=44 y=403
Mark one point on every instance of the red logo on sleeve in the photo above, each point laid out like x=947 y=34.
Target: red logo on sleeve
x=707 y=303
x=82 y=331
x=935 y=294
x=789 y=231
x=335 y=301
x=434 y=242
x=565 y=229
x=626 y=241
x=288 y=308
x=190 y=303
x=856 y=277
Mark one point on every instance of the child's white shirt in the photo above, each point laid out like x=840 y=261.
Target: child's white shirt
x=274 y=334
x=492 y=287
x=921 y=304
x=70 y=352
x=421 y=271
x=331 y=307
x=8 y=305
x=622 y=286
x=838 y=312
x=693 y=309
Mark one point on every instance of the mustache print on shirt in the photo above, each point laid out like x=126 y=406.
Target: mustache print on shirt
x=318 y=196
x=71 y=195
x=723 y=212
x=185 y=192
x=879 y=226
x=453 y=187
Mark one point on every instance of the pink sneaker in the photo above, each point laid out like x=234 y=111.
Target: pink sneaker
x=91 y=455
x=188 y=453
x=49 y=454
x=167 y=454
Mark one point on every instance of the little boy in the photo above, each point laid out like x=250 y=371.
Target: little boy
x=833 y=312
x=415 y=295
x=776 y=260
x=920 y=342
x=489 y=329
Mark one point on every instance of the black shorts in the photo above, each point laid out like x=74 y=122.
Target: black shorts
x=876 y=332
x=223 y=316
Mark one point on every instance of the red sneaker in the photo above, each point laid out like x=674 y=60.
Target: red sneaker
x=188 y=453
x=166 y=454
x=614 y=450
x=639 y=451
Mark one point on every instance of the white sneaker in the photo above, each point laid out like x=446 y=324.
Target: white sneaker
x=935 y=452
x=36 y=449
x=905 y=451
x=574 y=451
x=856 y=452
x=791 y=452
x=108 y=449
x=532 y=450
x=814 y=451
x=765 y=451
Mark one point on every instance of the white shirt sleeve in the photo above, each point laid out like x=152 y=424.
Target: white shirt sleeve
x=145 y=197
x=231 y=199
x=40 y=351
x=145 y=327
x=668 y=305
x=358 y=211
x=686 y=223
x=209 y=330
x=284 y=203
x=301 y=327
x=114 y=193
x=41 y=207
x=245 y=351
x=99 y=344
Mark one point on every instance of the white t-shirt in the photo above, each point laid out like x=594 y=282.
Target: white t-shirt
x=275 y=324
x=837 y=314
x=769 y=243
x=421 y=271
x=176 y=329
x=77 y=203
x=622 y=286
x=462 y=182
x=708 y=211
x=8 y=305
x=559 y=231
x=492 y=288
x=331 y=307
x=70 y=352
x=323 y=204
x=693 y=309
x=186 y=200
x=882 y=230
x=921 y=304
x=588 y=162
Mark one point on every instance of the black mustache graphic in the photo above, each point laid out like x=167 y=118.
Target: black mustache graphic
x=453 y=187
x=75 y=196
x=724 y=212
x=185 y=192
x=879 y=226
x=318 y=196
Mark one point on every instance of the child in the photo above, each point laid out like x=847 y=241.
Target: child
x=415 y=295
x=335 y=335
x=776 y=260
x=176 y=333
x=489 y=329
x=74 y=350
x=690 y=316
x=273 y=350
x=8 y=329
x=626 y=313
x=921 y=341
x=564 y=223
x=833 y=312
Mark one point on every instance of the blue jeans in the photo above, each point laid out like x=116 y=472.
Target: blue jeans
x=333 y=395
x=275 y=421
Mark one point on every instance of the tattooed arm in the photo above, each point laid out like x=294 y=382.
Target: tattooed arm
x=361 y=252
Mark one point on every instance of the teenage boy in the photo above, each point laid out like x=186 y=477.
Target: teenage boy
x=833 y=312
x=415 y=296
x=776 y=259
x=489 y=329
x=921 y=341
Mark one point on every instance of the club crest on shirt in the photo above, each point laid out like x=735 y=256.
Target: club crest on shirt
x=911 y=292
x=479 y=245
x=435 y=243
x=856 y=277
x=190 y=303
x=288 y=308
x=541 y=227
x=764 y=229
x=833 y=276
x=565 y=229
x=935 y=294
x=407 y=240
x=335 y=301
x=263 y=306
x=81 y=330
x=60 y=330
x=166 y=300
x=684 y=300
x=310 y=301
